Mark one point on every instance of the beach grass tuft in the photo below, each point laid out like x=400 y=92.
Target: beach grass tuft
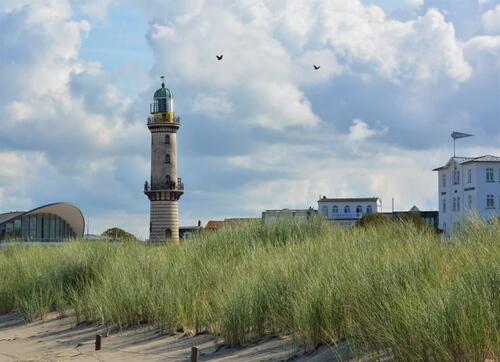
x=393 y=287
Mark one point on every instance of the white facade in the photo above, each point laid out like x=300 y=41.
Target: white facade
x=346 y=211
x=468 y=186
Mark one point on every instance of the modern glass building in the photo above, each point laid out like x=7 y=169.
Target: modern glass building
x=53 y=222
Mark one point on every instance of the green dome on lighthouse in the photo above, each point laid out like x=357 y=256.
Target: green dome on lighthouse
x=163 y=92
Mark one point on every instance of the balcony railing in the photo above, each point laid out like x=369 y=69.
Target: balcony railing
x=152 y=120
x=172 y=186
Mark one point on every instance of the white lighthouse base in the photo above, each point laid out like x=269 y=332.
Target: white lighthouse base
x=164 y=218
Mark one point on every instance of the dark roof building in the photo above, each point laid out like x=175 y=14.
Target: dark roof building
x=53 y=222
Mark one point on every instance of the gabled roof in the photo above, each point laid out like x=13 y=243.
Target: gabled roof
x=486 y=158
x=462 y=160
x=349 y=199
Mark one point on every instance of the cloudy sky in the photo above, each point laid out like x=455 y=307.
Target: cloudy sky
x=261 y=129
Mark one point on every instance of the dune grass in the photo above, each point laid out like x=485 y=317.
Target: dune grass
x=392 y=287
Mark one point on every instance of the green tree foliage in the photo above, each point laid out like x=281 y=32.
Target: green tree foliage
x=118 y=234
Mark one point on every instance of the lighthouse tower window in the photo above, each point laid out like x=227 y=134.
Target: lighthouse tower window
x=167 y=158
x=167 y=139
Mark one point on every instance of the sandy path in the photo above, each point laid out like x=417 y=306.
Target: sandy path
x=58 y=339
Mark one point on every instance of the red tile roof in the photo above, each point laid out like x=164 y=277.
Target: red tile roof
x=214 y=225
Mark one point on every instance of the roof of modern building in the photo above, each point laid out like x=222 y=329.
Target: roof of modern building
x=240 y=219
x=68 y=212
x=9 y=216
x=163 y=92
x=349 y=199
x=462 y=160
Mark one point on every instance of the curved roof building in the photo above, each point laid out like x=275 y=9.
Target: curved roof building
x=52 y=222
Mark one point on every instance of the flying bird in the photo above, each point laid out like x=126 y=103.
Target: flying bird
x=316 y=67
x=219 y=57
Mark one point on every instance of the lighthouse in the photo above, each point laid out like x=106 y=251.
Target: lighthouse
x=165 y=187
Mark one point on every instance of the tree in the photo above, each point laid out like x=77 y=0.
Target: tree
x=118 y=234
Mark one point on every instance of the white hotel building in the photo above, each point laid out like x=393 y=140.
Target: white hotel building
x=468 y=185
x=346 y=211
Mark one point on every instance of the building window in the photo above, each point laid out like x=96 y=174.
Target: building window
x=335 y=209
x=167 y=158
x=443 y=180
x=489 y=175
x=369 y=209
x=325 y=210
x=359 y=209
x=444 y=205
x=470 y=201
x=456 y=177
x=458 y=203
x=167 y=139
x=469 y=175
x=454 y=206
x=444 y=226
x=490 y=201
x=347 y=209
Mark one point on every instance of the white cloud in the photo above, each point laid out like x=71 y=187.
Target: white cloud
x=484 y=53
x=491 y=21
x=360 y=131
x=95 y=8
x=415 y=4
x=212 y=105
x=283 y=132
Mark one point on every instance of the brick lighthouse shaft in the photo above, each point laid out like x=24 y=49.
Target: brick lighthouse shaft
x=165 y=187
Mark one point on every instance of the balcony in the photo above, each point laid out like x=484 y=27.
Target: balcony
x=171 y=186
x=152 y=120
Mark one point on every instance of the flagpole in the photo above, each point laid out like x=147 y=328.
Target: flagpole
x=456 y=135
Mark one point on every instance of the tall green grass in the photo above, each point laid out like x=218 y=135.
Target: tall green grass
x=393 y=287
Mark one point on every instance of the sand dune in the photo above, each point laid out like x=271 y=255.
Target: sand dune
x=58 y=339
